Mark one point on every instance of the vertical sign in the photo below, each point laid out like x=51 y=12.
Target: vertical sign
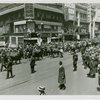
x=29 y=11
x=69 y=11
x=89 y=13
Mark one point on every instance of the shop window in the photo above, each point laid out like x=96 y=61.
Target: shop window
x=13 y=40
x=20 y=40
x=20 y=28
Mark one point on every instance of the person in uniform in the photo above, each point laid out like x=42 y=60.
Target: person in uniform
x=87 y=60
x=75 y=59
x=3 y=64
x=61 y=76
x=32 y=64
x=92 y=68
x=9 y=68
x=84 y=59
x=3 y=61
x=96 y=59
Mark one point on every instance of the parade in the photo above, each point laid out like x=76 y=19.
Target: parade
x=90 y=55
x=49 y=48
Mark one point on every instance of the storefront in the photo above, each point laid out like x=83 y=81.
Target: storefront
x=14 y=40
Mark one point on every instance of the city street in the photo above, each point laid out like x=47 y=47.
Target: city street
x=24 y=83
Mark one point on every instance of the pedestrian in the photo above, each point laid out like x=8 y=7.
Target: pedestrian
x=32 y=64
x=61 y=76
x=75 y=59
x=9 y=68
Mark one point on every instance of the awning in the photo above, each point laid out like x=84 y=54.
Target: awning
x=47 y=8
x=12 y=9
x=47 y=23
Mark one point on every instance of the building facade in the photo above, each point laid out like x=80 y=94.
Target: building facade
x=97 y=23
x=47 y=22
x=79 y=18
x=34 y=21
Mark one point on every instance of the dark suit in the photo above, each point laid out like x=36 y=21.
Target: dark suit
x=9 y=69
x=75 y=59
x=32 y=64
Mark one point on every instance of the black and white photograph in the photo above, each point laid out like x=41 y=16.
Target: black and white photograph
x=49 y=48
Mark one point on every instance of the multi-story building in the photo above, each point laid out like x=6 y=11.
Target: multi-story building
x=46 y=22
x=97 y=23
x=33 y=21
x=79 y=18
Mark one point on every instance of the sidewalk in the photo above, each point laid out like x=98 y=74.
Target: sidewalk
x=21 y=72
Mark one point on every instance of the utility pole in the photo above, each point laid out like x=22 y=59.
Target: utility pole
x=90 y=21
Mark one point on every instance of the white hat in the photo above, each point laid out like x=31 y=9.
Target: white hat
x=41 y=88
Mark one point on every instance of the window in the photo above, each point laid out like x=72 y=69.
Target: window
x=13 y=40
x=20 y=28
x=83 y=16
x=20 y=40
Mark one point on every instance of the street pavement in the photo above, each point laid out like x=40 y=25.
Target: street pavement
x=25 y=83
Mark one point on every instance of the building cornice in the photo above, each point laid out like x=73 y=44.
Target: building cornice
x=12 y=9
x=43 y=7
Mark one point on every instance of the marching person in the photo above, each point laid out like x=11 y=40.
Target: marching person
x=75 y=59
x=96 y=58
x=32 y=64
x=61 y=76
x=3 y=63
x=3 y=60
x=92 y=68
x=84 y=59
x=9 y=68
